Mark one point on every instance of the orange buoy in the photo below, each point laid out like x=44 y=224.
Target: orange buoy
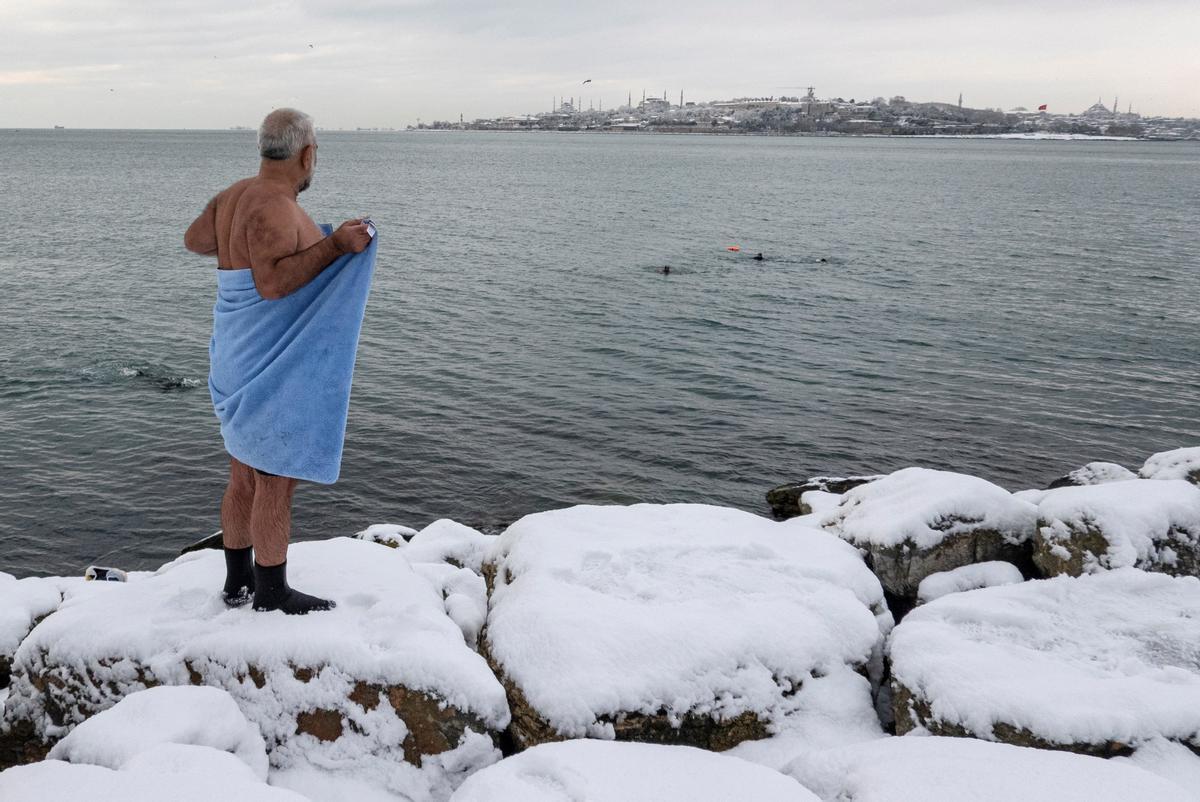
x=733 y=248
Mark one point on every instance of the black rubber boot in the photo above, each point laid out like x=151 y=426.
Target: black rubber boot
x=271 y=592
x=239 y=577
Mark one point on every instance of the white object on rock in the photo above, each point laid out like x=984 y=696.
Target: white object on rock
x=673 y=611
x=1099 y=473
x=602 y=771
x=969 y=577
x=1179 y=463
x=1143 y=523
x=915 y=769
x=54 y=780
x=1090 y=662
x=185 y=714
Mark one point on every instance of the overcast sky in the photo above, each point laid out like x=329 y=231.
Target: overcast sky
x=173 y=64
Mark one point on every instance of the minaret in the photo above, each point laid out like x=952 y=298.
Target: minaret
x=629 y=102
x=681 y=98
x=960 y=100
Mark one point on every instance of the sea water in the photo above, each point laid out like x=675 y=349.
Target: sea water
x=1005 y=308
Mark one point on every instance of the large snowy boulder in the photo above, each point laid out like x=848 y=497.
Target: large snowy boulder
x=1154 y=525
x=916 y=522
x=680 y=623
x=1097 y=664
x=967 y=770
x=384 y=675
x=1179 y=463
x=597 y=771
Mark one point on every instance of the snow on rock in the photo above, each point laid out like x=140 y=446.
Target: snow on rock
x=1153 y=525
x=837 y=711
x=820 y=502
x=1180 y=463
x=917 y=769
x=1094 y=473
x=200 y=716
x=969 y=577
x=598 y=771
x=54 y=780
x=787 y=501
x=451 y=542
x=679 y=623
x=22 y=603
x=1094 y=664
x=1170 y=760
x=392 y=535
x=916 y=522
x=384 y=678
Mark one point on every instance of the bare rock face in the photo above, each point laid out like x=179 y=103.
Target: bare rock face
x=386 y=672
x=917 y=522
x=786 y=502
x=1098 y=665
x=1149 y=524
x=675 y=624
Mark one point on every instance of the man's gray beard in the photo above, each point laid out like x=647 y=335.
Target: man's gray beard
x=307 y=183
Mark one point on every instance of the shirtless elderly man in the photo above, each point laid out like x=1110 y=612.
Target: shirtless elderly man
x=257 y=223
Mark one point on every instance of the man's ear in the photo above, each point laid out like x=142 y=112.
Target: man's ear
x=307 y=156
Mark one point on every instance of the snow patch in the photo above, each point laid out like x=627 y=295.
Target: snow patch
x=968 y=577
x=1179 y=463
x=599 y=771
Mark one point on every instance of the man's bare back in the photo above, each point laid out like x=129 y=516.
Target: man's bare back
x=257 y=223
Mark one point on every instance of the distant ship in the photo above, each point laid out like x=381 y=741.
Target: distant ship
x=58 y=128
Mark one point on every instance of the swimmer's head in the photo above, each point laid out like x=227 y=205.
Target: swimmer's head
x=287 y=136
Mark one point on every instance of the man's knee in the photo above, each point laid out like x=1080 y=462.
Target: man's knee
x=241 y=476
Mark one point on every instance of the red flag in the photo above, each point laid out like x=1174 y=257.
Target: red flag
x=1042 y=107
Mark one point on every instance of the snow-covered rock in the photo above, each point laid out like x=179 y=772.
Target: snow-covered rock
x=1094 y=473
x=385 y=674
x=22 y=603
x=451 y=542
x=787 y=501
x=54 y=780
x=966 y=770
x=1179 y=463
x=679 y=623
x=1094 y=664
x=197 y=716
x=597 y=771
x=391 y=535
x=969 y=577
x=916 y=522
x=1170 y=760
x=1150 y=524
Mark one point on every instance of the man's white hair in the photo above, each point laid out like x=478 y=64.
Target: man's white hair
x=284 y=133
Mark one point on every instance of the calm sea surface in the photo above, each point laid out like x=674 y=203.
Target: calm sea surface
x=1010 y=309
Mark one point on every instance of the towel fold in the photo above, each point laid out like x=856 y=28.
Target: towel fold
x=280 y=370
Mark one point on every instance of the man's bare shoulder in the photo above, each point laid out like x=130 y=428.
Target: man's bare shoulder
x=265 y=199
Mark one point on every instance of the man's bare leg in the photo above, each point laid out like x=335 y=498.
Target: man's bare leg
x=271 y=523
x=235 y=524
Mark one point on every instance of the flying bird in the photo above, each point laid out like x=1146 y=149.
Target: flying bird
x=588 y=81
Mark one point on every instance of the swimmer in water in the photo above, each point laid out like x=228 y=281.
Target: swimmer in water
x=758 y=257
x=666 y=270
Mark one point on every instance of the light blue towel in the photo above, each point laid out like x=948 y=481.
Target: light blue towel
x=280 y=370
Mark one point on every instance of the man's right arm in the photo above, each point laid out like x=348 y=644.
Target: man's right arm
x=278 y=269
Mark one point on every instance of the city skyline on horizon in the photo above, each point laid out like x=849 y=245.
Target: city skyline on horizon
x=378 y=64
